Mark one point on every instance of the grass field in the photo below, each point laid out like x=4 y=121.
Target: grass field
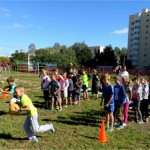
x=77 y=127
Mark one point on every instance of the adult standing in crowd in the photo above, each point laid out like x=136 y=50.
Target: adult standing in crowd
x=95 y=87
x=124 y=73
x=70 y=69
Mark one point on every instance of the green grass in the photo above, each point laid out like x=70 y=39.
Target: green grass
x=77 y=127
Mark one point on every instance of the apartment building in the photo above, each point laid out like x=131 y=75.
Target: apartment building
x=139 y=39
x=96 y=49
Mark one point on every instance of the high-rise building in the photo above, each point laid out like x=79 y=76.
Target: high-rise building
x=139 y=39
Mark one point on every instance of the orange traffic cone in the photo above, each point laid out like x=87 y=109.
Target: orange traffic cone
x=102 y=134
x=4 y=96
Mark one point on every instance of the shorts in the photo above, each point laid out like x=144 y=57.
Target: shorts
x=110 y=108
x=14 y=100
x=64 y=94
x=70 y=93
x=55 y=97
x=84 y=87
x=95 y=88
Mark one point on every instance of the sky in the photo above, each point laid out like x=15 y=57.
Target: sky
x=45 y=22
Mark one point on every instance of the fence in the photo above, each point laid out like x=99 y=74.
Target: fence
x=34 y=67
x=136 y=72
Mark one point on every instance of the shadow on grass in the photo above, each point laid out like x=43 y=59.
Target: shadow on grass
x=38 y=104
x=90 y=118
x=3 y=113
x=9 y=136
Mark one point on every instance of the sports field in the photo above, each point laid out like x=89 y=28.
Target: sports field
x=77 y=127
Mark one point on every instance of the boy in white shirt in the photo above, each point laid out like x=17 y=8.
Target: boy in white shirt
x=45 y=81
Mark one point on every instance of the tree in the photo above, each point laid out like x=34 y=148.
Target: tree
x=107 y=58
x=58 y=47
x=117 y=53
x=21 y=56
x=31 y=48
x=123 y=55
x=61 y=58
x=82 y=52
x=7 y=59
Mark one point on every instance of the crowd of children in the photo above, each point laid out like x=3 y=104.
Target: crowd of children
x=64 y=90
x=118 y=97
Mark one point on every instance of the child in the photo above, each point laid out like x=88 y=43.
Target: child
x=77 y=90
x=45 y=80
x=119 y=98
x=70 y=89
x=85 y=85
x=137 y=95
x=95 y=87
x=64 y=83
x=108 y=96
x=11 y=90
x=144 y=102
x=128 y=88
x=55 y=93
x=32 y=116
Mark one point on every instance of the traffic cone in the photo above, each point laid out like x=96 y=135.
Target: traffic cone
x=102 y=134
x=4 y=96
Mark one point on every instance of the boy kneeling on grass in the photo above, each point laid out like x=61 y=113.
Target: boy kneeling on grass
x=32 y=116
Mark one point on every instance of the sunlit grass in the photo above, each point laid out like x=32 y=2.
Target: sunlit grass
x=77 y=127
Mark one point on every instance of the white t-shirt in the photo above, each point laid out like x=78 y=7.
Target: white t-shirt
x=45 y=80
x=123 y=74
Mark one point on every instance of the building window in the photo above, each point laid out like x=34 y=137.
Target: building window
x=146 y=38
x=147 y=26
x=146 y=32
x=147 y=20
x=145 y=55
x=145 y=43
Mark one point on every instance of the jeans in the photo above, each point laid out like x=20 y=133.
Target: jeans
x=33 y=122
x=138 y=114
x=46 y=98
x=118 y=112
x=144 y=108
x=125 y=112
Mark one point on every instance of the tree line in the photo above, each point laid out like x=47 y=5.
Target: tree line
x=78 y=54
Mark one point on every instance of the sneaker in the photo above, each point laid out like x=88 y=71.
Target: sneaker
x=110 y=129
x=140 y=122
x=33 y=139
x=107 y=127
x=115 y=124
x=124 y=124
x=51 y=109
x=52 y=128
x=60 y=109
x=57 y=107
x=146 y=120
x=120 y=127
x=65 y=106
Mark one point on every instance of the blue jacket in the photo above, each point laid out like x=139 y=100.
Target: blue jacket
x=119 y=94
